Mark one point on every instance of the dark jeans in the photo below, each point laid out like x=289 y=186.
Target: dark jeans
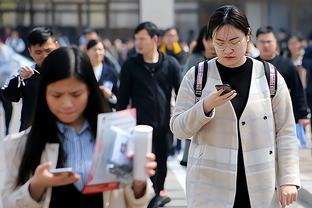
x=160 y=149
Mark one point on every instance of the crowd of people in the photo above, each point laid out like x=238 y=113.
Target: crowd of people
x=241 y=143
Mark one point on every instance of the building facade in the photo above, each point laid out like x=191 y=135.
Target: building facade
x=117 y=18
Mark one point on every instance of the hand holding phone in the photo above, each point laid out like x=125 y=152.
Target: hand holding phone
x=226 y=87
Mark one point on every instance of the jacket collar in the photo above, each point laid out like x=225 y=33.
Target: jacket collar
x=140 y=60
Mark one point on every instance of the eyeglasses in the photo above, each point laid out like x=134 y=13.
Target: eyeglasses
x=220 y=45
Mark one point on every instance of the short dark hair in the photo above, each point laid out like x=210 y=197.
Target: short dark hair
x=92 y=43
x=150 y=27
x=39 y=35
x=88 y=30
x=228 y=15
x=264 y=30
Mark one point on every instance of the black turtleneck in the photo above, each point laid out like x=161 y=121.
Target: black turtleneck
x=239 y=78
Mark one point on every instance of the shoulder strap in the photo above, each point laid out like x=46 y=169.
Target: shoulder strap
x=271 y=76
x=201 y=71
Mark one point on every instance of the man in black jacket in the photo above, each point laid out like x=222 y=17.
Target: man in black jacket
x=267 y=44
x=147 y=79
x=23 y=84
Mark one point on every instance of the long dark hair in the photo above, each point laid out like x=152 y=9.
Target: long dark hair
x=228 y=15
x=203 y=34
x=60 y=64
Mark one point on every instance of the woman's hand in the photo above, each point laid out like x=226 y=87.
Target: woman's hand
x=139 y=187
x=304 y=121
x=288 y=194
x=42 y=179
x=215 y=99
x=151 y=164
x=106 y=92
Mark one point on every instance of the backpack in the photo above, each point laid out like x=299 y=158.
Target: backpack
x=201 y=72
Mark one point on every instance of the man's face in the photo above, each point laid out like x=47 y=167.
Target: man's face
x=144 y=43
x=91 y=36
x=267 y=45
x=39 y=52
x=170 y=37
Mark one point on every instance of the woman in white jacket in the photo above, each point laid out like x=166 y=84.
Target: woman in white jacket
x=63 y=135
x=244 y=151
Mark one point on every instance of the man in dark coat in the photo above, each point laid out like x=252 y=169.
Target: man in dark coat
x=23 y=84
x=267 y=44
x=148 y=79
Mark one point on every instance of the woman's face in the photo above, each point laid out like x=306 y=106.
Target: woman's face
x=231 y=45
x=67 y=100
x=96 y=54
x=210 y=51
x=295 y=46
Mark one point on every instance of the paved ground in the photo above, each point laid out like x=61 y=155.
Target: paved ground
x=175 y=184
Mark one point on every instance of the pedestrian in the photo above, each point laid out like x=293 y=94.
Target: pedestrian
x=204 y=50
x=91 y=34
x=267 y=45
x=244 y=151
x=104 y=74
x=147 y=80
x=7 y=66
x=307 y=64
x=170 y=45
x=22 y=85
x=15 y=42
x=295 y=53
x=63 y=135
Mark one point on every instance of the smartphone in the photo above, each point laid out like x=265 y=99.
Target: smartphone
x=61 y=170
x=227 y=88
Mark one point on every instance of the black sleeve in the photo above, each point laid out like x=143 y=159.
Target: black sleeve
x=177 y=75
x=124 y=90
x=182 y=57
x=307 y=58
x=11 y=91
x=111 y=76
x=297 y=94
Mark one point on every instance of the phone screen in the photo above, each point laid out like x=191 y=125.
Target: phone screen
x=61 y=170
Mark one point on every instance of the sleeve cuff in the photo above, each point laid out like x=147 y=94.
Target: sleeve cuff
x=113 y=99
x=24 y=198
x=209 y=114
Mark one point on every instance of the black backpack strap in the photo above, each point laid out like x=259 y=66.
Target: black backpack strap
x=271 y=76
x=201 y=71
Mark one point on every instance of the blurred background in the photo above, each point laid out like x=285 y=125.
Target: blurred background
x=117 y=18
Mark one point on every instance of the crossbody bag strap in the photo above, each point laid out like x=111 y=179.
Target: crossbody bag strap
x=201 y=70
x=271 y=76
